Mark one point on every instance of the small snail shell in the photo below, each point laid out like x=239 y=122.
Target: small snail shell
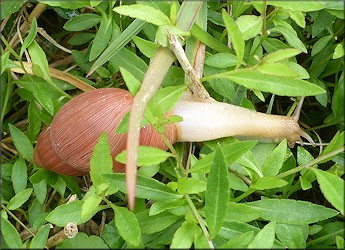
x=67 y=145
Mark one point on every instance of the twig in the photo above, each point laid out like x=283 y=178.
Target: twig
x=311 y=163
x=199 y=93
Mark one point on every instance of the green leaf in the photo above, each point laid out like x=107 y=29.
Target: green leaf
x=155 y=223
x=67 y=4
x=130 y=61
x=276 y=69
x=231 y=151
x=8 y=7
x=89 y=207
x=184 y=236
x=221 y=60
x=19 y=175
x=304 y=6
x=147 y=188
x=235 y=35
x=146 y=156
x=132 y=83
x=81 y=38
x=292 y=236
x=264 y=238
x=249 y=26
x=217 y=193
x=128 y=225
x=34 y=127
x=332 y=188
x=224 y=87
x=40 y=63
x=40 y=190
x=240 y=241
x=208 y=40
x=190 y=186
x=69 y=212
x=268 y=183
x=320 y=44
x=102 y=37
x=40 y=239
x=82 y=240
x=336 y=143
x=237 y=183
x=301 y=72
x=161 y=206
x=19 y=199
x=30 y=37
x=290 y=36
x=167 y=97
x=282 y=86
x=291 y=211
x=4 y=61
x=42 y=93
x=338 y=51
x=101 y=160
x=10 y=234
x=248 y=161
x=141 y=11
x=241 y=212
x=323 y=20
x=22 y=142
x=82 y=22
x=121 y=40
x=235 y=228
x=298 y=17
x=146 y=47
x=275 y=160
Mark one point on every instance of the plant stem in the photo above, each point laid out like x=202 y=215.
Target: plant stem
x=200 y=220
x=17 y=220
x=311 y=163
x=196 y=87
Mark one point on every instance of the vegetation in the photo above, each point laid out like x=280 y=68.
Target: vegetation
x=225 y=193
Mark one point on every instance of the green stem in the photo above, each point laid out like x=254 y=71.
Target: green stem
x=311 y=163
x=244 y=195
x=200 y=220
x=17 y=220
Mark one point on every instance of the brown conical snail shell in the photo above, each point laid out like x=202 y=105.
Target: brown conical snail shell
x=67 y=145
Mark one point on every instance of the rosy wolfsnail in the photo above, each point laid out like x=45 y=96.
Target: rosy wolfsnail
x=67 y=145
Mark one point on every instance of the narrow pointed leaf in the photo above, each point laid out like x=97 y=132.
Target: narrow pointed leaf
x=145 y=13
x=332 y=187
x=283 y=86
x=101 y=161
x=19 y=199
x=10 y=234
x=236 y=36
x=128 y=225
x=275 y=160
x=217 y=194
x=133 y=29
x=147 y=188
x=22 y=142
x=291 y=211
x=146 y=156
x=39 y=240
x=82 y=22
x=264 y=238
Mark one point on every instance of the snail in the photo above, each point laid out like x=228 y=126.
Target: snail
x=67 y=145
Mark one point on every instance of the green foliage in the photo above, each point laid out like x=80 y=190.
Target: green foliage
x=224 y=193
